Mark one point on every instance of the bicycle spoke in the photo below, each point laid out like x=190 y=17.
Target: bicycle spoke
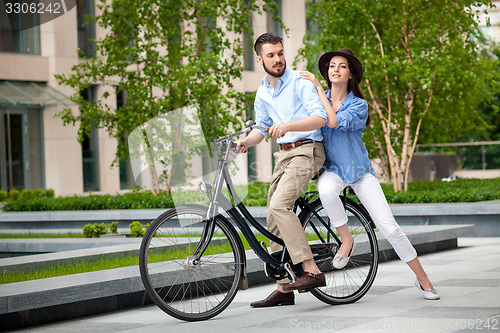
x=179 y=285
x=352 y=282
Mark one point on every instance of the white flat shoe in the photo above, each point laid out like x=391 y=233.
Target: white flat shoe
x=430 y=293
x=339 y=261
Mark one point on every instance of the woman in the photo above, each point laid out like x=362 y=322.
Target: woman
x=347 y=162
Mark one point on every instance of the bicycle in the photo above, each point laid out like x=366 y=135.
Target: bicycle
x=192 y=260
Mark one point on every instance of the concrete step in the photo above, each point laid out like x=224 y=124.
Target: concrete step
x=41 y=301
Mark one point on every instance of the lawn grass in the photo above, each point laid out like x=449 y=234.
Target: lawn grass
x=68 y=269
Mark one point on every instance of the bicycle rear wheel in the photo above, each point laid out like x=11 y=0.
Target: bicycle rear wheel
x=182 y=288
x=352 y=282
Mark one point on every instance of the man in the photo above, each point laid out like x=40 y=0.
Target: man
x=291 y=108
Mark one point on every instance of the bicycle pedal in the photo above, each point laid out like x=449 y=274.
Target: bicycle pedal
x=309 y=289
x=301 y=291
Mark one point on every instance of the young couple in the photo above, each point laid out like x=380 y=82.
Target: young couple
x=317 y=129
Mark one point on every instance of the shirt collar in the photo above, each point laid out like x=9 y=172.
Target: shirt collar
x=346 y=100
x=281 y=79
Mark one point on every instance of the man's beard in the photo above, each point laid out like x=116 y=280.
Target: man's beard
x=275 y=74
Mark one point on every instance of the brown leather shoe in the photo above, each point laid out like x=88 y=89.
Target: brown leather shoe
x=276 y=298
x=307 y=282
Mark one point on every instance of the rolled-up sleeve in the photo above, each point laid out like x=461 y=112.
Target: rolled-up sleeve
x=310 y=99
x=262 y=117
x=354 y=117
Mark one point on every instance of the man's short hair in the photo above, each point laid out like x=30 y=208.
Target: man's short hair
x=267 y=38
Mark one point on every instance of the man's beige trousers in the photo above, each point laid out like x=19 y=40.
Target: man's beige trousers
x=293 y=170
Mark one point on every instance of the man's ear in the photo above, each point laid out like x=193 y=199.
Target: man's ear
x=259 y=59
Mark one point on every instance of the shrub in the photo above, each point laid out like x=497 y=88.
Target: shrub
x=25 y=194
x=132 y=200
x=113 y=227
x=13 y=194
x=38 y=193
x=94 y=230
x=137 y=229
x=88 y=231
x=3 y=195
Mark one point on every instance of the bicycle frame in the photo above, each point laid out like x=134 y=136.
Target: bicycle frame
x=240 y=213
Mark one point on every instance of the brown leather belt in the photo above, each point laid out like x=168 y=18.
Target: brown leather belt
x=286 y=146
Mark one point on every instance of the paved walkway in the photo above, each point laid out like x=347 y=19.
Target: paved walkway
x=467 y=278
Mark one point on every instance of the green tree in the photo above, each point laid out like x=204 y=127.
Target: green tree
x=423 y=71
x=164 y=55
x=472 y=157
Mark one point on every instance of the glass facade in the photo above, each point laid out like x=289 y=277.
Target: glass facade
x=19 y=33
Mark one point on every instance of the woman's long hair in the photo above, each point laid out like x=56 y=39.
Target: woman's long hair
x=353 y=86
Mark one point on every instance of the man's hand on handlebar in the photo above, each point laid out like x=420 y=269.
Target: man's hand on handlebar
x=278 y=130
x=240 y=147
x=252 y=139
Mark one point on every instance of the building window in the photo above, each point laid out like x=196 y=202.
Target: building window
x=311 y=27
x=14 y=126
x=248 y=52
x=126 y=175
x=273 y=25
x=19 y=33
x=86 y=28
x=248 y=45
x=36 y=156
x=90 y=151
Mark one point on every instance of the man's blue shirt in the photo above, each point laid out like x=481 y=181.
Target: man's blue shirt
x=346 y=154
x=293 y=99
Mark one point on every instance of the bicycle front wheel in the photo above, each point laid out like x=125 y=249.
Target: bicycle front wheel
x=179 y=285
x=352 y=282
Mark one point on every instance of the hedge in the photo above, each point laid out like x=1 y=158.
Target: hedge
x=460 y=190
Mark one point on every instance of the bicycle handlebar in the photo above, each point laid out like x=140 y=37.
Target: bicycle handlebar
x=245 y=130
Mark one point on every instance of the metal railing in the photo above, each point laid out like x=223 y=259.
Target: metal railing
x=482 y=144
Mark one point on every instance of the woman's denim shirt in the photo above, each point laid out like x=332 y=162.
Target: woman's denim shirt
x=346 y=154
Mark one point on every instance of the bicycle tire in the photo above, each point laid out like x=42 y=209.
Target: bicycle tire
x=351 y=283
x=182 y=289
